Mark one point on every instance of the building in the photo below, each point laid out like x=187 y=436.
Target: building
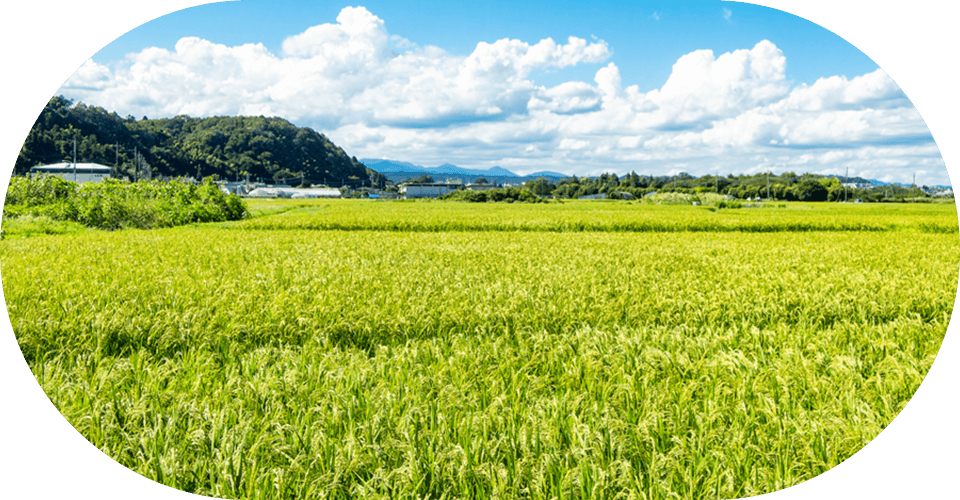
x=425 y=190
x=74 y=172
x=278 y=192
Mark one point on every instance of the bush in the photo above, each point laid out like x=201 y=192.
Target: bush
x=114 y=204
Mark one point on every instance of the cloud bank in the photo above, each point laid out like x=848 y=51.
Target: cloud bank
x=379 y=95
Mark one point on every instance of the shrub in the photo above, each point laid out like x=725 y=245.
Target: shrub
x=507 y=195
x=114 y=204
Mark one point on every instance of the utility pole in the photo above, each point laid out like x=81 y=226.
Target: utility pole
x=768 y=184
x=75 y=161
x=847 y=179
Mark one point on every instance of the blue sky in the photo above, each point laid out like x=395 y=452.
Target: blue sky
x=581 y=88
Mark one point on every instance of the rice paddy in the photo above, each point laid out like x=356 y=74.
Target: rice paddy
x=359 y=349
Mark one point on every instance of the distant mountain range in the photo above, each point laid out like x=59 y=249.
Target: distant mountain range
x=390 y=166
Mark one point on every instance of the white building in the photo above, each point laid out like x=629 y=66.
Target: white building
x=428 y=190
x=265 y=192
x=74 y=172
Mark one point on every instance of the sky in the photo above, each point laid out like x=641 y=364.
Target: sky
x=580 y=88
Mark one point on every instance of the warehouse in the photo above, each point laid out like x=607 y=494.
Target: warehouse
x=428 y=190
x=75 y=172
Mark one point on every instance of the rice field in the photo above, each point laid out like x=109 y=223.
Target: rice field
x=590 y=215
x=360 y=349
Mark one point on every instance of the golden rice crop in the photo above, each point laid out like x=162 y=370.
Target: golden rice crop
x=480 y=361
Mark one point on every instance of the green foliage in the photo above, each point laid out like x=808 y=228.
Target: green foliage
x=230 y=147
x=113 y=204
x=495 y=195
x=540 y=187
x=681 y=187
x=423 y=179
x=810 y=190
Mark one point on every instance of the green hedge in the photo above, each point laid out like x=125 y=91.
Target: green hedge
x=114 y=204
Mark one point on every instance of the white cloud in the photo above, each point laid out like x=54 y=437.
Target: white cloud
x=836 y=92
x=568 y=97
x=380 y=95
x=332 y=75
x=704 y=87
x=91 y=76
x=608 y=81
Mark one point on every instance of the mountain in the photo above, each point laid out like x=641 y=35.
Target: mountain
x=384 y=166
x=547 y=173
x=388 y=166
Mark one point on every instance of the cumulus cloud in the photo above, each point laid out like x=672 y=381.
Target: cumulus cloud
x=566 y=98
x=874 y=89
x=703 y=87
x=335 y=74
x=378 y=94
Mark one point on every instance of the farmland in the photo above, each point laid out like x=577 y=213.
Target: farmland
x=350 y=348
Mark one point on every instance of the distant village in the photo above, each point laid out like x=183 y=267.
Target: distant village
x=409 y=185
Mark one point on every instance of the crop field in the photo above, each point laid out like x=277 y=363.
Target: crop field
x=364 y=349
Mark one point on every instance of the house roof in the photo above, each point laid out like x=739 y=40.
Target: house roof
x=81 y=168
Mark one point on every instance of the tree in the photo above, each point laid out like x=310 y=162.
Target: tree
x=182 y=146
x=377 y=180
x=540 y=187
x=283 y=175
x=423 y=179
x=810 y=190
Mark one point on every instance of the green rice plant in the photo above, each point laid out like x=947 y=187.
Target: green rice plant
x=27 y=226
x=591 y=216
x=276 y=358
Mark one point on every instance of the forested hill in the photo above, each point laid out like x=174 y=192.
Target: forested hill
x=230 y=147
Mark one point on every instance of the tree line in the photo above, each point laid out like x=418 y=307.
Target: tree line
x=228 y=148
x=787 y=187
